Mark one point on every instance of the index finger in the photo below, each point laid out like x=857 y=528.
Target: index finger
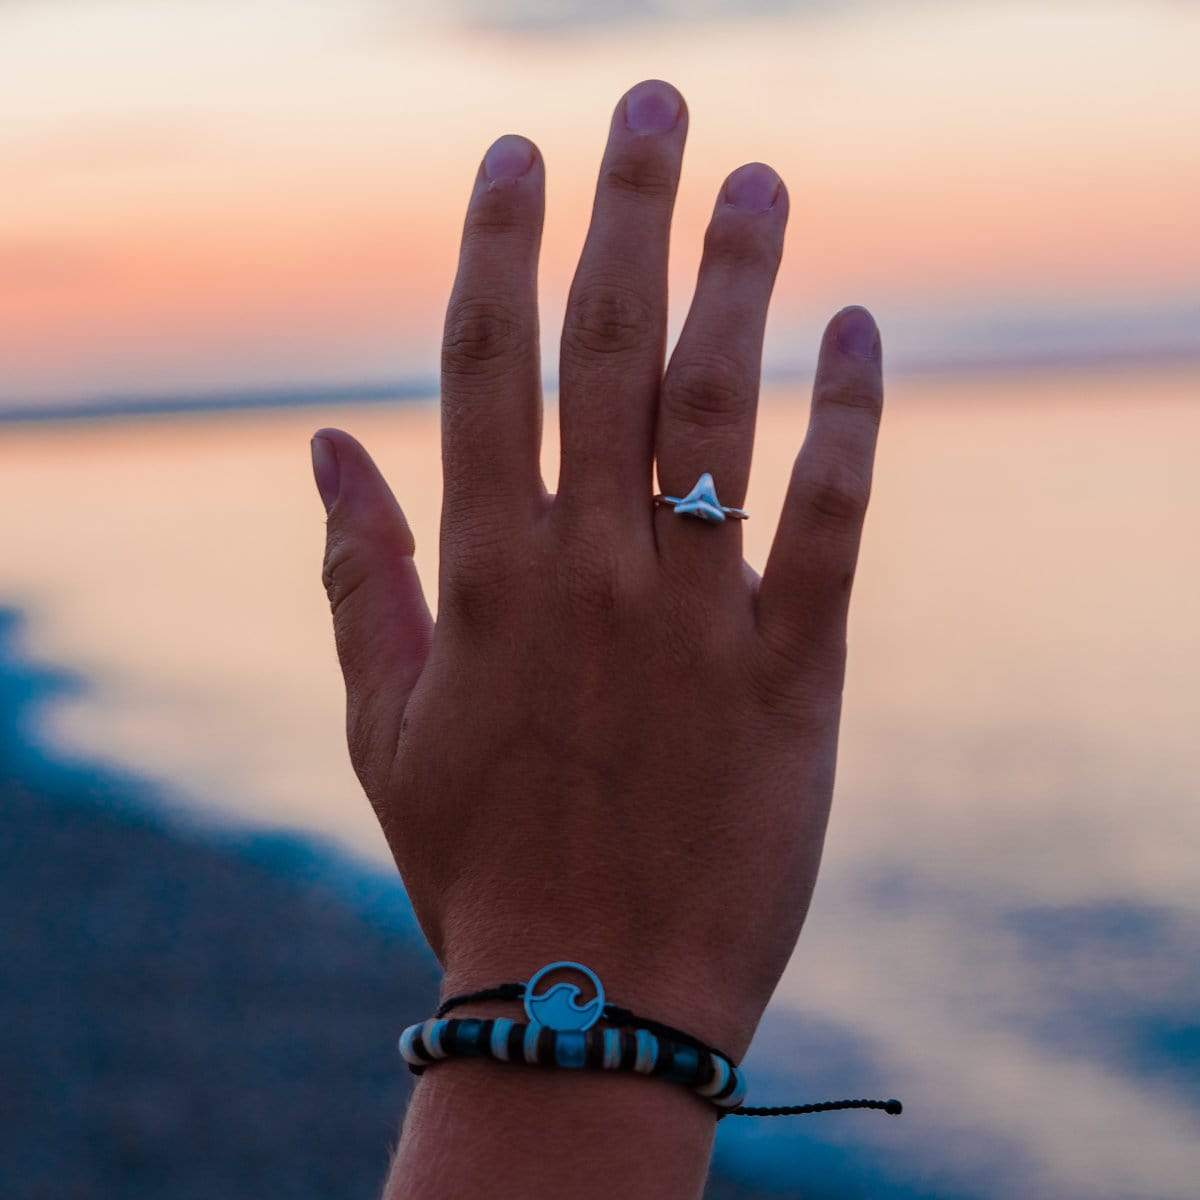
x=491 y=372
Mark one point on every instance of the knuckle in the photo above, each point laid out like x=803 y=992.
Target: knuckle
x=479 y=333
x=474 y=595
x=799 y=676
x=836 y=494
x=849 y=394
x=471 y=600
x=590 y=582
x=644 y=176
x=708 y=392
x=499 y=214
x=343 y=572
x=739 y=246
x=606 y=318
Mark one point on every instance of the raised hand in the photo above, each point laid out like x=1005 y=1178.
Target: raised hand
x=616 y=744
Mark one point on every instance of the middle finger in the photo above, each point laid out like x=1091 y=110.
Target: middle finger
x=614 y=335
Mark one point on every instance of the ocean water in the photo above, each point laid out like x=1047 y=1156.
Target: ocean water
x=1007 y=926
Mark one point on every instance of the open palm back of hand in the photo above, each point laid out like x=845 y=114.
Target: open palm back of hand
x=617 y=743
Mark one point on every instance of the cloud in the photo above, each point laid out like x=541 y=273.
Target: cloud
x=564 y=16
x=559 y=15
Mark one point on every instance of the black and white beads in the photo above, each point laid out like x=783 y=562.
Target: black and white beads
x=636 y=1050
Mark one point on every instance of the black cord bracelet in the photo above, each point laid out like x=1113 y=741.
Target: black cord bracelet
x=561 y=1032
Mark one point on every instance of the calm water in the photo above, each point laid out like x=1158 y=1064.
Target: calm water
x=1006 y=932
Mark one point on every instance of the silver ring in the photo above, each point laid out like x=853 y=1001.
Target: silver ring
x=702 y=502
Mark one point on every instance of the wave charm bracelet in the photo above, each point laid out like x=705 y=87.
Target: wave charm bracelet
x=561 y=1033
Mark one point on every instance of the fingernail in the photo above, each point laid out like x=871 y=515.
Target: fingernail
x=752 y=188
x=508 y=158
x=325 y=470
x=857 y=334
x=652 y=107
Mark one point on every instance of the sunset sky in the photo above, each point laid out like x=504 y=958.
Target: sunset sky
x=218 y=195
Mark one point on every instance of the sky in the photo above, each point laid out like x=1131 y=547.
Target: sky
x=210 y=196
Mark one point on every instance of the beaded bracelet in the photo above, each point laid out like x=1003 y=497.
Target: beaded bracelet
x=561 y=1033
x=638 y=1050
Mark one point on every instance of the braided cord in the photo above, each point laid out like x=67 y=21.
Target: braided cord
x=892 y=1107
x=505 y=991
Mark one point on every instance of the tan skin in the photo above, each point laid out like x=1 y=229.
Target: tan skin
x=617 y=744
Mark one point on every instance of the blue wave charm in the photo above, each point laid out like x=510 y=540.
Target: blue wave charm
x=559 y=1006
x=702 y=502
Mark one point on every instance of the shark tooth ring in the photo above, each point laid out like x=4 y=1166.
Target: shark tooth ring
x=702 y=502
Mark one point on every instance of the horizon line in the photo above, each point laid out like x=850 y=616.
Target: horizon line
x=418 y=388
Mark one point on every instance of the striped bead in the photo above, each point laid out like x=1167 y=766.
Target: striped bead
x=498 y=1044
x=431 y=1035
x=734 y=1091
x=629 y=1050
x=647 y=1051
x=409 y=1047
x=720 y=1077
x=469 y=1036
x=570 y=1049
x=529 y=1046
x=685 y=1065
x=612 y=1049
x=594 y=1056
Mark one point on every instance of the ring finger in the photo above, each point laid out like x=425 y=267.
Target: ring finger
x=710 y=394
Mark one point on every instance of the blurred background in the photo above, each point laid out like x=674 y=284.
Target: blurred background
x=224 y=224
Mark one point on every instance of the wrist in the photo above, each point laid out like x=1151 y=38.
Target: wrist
x=586 y=1134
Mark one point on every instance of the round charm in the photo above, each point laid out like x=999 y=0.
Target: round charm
x=558 y=1007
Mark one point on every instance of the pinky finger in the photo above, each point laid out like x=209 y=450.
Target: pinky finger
x=805 y=592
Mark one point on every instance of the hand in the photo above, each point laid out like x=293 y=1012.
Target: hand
x=617 y=744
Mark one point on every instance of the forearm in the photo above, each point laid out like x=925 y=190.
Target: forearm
x=476 y=1128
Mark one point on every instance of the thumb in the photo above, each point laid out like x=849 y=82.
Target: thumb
x=381 y=623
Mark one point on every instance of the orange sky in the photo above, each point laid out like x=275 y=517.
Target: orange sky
x=202 y=195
